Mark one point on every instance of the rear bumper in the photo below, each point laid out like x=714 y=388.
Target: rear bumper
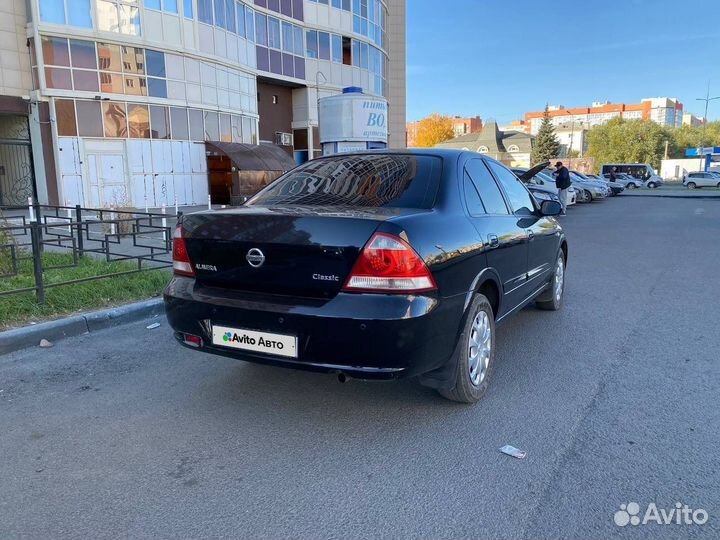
x=367 y=336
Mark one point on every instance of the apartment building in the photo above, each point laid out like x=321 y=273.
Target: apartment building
x=662 y=110
x=147 y=102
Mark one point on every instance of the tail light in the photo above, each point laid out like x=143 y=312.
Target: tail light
x=180 y=257
x=388 y=264
x=192 y=340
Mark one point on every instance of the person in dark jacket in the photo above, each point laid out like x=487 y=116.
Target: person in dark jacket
x=562 y=183
x=613 y=175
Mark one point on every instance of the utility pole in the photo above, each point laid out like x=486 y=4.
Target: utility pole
x=707 y=99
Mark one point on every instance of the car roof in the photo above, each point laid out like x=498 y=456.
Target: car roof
x=447 y=154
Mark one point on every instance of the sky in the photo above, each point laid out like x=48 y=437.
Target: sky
x=500 y=58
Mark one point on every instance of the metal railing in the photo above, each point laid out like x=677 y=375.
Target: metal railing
x=109 y=234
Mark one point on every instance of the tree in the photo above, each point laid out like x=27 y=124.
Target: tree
x=433 y=130
x=692 y=137
x=546 y=145
x=630 y=141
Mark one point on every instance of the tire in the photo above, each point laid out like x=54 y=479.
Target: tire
x=718 y=185
x=652 y=185
x=691 y=185
x=588 y=196
x=631 y=186
x=468 y=386
x=552 y=298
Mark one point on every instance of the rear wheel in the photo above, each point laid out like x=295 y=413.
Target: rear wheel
x=631 y=186
x=551 y=299
x=474 y=354
x=718 y=185
x=652 y=185
x=691 y=185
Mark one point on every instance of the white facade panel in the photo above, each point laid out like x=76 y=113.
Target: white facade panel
x=220 y=43
x=188 y=34
x=199 y=189
x=172 y=31
x=206 y=38
x=198 y=159
x=72 y=190
x=153 y=26
x=68 y=150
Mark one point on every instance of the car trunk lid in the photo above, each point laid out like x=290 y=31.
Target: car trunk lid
x=293 y=250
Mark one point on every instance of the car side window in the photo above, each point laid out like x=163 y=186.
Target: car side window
x=519 y=197
x=472 y=199
x=487 y=188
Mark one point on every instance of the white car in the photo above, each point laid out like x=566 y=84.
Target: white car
x=702 y=179
x=627 y=181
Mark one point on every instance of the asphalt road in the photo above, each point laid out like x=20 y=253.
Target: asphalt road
x=615 y=398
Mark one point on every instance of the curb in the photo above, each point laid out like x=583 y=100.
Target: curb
x=29 y=336
x=673 y=195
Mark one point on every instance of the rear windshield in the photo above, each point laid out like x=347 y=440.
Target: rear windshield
x=374 y=180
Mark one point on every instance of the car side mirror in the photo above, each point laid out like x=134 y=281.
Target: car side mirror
x=550 y=208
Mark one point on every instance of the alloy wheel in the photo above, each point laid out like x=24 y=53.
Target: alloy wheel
x=479 y=347
x=559 y=279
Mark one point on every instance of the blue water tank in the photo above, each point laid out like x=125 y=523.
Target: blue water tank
x=352 y=90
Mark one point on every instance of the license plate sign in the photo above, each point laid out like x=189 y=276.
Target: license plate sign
x=255 y=341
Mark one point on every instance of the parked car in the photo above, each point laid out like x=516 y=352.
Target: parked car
x=613 y=188
x=702 y=179
x=639 y=171
x=627 y=181
x=592 y=190
x=536 y=180
x=376 y=265
x=541 y=188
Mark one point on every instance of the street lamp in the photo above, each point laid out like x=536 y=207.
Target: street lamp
x=707 y=99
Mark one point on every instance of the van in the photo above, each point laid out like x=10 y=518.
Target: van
x=641 y=171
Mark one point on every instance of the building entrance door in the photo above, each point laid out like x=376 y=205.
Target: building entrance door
x=107 y=182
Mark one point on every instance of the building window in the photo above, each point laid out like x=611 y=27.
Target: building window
x=72 y=12
x=205 y=11
x=483 y=149
x=168 y=6
x=89 y=119
x=311 y=48
x=119 y=16
x=513 y=148
x=65 y=116
x=159 y=125
x=114 y=119
x=274 y=33
x=212 y=131
x=324 y=46
x=250 y=23
x=261 y=35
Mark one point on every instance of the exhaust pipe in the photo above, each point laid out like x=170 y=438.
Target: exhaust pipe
x=342 y=378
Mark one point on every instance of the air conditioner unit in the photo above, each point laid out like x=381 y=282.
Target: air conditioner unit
x=284 y=139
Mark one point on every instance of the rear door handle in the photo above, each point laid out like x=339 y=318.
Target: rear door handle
x=493 y=240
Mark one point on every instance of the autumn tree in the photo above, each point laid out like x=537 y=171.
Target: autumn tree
x=694 y=137
x=433 y=130
x=546 y=145
x=630 y=141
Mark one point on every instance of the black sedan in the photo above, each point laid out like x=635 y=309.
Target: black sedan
x=372 y=265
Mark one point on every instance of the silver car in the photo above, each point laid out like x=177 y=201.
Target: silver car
x=702 y=179
x=627 y=181
x=591 y=190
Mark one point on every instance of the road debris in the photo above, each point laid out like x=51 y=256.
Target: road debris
x=45 y=344
x=514 y=452
x=153 y=325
